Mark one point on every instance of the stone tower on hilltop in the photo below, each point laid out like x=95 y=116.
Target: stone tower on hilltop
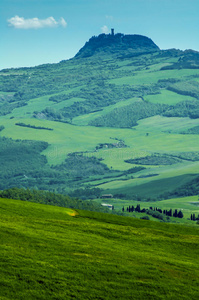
x=112 y=31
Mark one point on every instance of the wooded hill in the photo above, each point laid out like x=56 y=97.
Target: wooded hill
x=108 y=120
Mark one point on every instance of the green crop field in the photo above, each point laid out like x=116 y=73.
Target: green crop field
x=50 y=252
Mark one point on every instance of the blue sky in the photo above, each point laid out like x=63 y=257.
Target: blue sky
x=34 y=32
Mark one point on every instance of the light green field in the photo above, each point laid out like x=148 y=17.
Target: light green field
x=167 y=97
x=66 y=138
x=165 y=124
x=144 y=77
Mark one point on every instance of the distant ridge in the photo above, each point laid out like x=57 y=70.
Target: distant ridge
x=117 y=43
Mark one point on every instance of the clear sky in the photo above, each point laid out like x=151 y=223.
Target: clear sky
x=34 y=32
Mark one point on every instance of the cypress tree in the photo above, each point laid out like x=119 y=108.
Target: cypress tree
x=180 y=214
x=137 y=208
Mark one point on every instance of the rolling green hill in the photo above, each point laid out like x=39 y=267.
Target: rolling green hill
x=49 y=252
x=78 y=123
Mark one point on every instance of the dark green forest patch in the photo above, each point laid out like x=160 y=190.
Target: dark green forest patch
x=19 y=160
x=32 y=126
x=187 y=88
x=184 y=109
x=22 y=165
x=50 y=198
x=193 y=130
x=127 y=116
x=79 y=166
x=191 y=156
x=155 y=159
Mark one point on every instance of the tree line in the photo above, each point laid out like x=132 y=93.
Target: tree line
x=155 y=212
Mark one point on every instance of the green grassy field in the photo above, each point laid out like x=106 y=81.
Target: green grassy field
x=48 y=253
x=147 y=77
x=167 y=97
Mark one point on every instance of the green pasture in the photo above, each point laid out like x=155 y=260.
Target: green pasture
x=149 y=77
x=48 y=254
x=167 y=97
x=166 y=124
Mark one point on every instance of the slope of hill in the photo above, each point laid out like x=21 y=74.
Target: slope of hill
x=120 y=99
x=50 y=252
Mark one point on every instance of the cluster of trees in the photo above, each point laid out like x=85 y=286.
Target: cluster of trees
x=7 y=107
x=154 y=159
x=186 y=88
x=127 y=116
x=193 y=130
x=50 y=198
x=32 y=126
x=183 y=109
x=194 y=218
x=155 y=212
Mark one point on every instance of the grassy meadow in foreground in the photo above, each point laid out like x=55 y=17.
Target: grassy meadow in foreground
x=57 y=253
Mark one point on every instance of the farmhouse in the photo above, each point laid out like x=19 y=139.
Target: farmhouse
x=110 y=206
